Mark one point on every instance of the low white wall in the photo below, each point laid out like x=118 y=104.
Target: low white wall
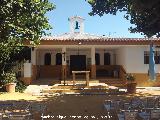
x=27 y=69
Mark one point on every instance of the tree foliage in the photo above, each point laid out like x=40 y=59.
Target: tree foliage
x=144 y=14
x=21 y=20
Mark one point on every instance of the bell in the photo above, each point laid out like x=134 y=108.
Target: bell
x=77 y=27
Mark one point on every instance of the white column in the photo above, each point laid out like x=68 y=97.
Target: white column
x=93 y=56
x=93 y=66
x=64 y=56
x=42 y=57
x=33 y=56
x=27 y=70
x=53 y=57
x=37 y=57
x=114 y=57
x=111 y=58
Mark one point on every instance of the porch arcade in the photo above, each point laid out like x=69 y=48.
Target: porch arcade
x=60 y=62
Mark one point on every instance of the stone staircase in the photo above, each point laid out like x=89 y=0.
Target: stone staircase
x=93 y=88
x=114 y=82
x=101 y=86
x=36 y=89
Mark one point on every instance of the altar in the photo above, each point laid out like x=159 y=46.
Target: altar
x=77 y=72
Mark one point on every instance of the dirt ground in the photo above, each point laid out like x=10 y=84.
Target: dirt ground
x=17 y=96
x=73 y=107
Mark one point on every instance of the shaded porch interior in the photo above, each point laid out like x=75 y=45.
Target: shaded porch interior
x=50 y=65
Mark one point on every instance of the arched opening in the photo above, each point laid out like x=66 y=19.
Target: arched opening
x=97 y=58
x=58 y=59
x=107 y=59
x=47 y=59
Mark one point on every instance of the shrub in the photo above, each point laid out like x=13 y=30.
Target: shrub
x=20 y=86
x=8 y=77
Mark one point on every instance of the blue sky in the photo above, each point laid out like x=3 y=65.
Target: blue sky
x=116 y=26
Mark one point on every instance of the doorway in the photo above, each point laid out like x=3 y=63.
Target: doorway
x=77 y=63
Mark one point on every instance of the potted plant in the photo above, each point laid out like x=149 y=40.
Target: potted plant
x=9 y=80
x=131 y=84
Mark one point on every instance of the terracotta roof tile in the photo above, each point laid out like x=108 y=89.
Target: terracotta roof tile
x=76 y=36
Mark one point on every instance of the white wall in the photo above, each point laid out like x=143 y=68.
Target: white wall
x=132 y=58
x=135 y=60
x=121 y=57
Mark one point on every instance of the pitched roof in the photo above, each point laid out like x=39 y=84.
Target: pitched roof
x=74 y=36
x=90 y=37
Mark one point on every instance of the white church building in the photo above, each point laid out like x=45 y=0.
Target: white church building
x=105 y=57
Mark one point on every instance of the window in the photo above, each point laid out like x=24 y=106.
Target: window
x=156 y=57
x=58 y=59
x=47 y=59
x=97 y=58
x=107 y=58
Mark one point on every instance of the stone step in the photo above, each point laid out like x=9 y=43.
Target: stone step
x=75 y=91
x=80 y=86
x=36 y=89
x=79 y=81
x=93 y=88
x=114 y=82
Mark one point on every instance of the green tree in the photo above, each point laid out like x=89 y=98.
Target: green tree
x=21 y=20
x=144 y=14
